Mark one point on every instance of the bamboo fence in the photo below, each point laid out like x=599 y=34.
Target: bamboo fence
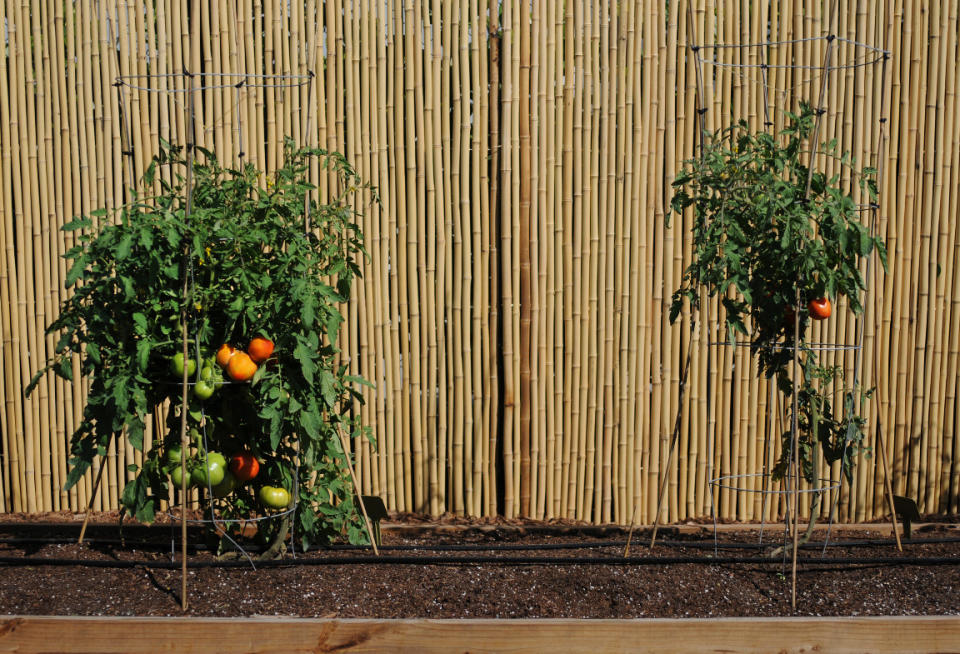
x=513 y=311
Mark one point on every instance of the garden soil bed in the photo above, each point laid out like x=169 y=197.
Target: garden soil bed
x=481 y=569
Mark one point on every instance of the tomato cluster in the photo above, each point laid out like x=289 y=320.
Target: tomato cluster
x=242 y=366
x=211 y=468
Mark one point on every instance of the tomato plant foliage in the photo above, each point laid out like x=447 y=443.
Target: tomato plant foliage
x=252 y=270
x=769 y=235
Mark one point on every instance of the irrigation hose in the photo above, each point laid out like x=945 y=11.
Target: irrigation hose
x=479 y=560
x=497 y=547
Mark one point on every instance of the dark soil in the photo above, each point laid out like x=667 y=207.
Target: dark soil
x=491 y=569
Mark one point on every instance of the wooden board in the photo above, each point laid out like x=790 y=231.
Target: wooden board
x=133 y=635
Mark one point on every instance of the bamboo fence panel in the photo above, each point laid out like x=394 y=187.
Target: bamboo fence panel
x=513 y=310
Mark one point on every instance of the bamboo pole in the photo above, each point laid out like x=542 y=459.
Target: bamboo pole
x=625 y=101
x=525 y=299
x=535 y=181
x=13 y=434
x=507 y=208
x=477 y=304
x=494 y=415
x=456 y=221
x=568 y=475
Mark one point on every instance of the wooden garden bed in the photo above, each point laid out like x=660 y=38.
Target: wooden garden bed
x=482 y=587
x=27 y=635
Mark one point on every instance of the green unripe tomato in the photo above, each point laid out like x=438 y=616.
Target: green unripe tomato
x=174 y=455
x=274 y=498
x=176 y=476
x=203 y=390
x=176 y=366
x=226 y=486
x=206 y=372
x=210 y=472
x=219 y=459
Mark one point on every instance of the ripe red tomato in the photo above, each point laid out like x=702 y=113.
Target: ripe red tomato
x=244 y=466
x=820 y=308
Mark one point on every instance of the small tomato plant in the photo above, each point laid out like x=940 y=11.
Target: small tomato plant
x=252 y=272
x=769 y=247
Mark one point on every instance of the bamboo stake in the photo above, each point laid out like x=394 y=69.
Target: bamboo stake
x=673 y=443
x=93 y=495
x=795 y=447
x=185 y=290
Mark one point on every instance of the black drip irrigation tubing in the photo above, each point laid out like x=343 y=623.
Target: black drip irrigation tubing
x=501 y=547
x=478 y=560
x=621 y=543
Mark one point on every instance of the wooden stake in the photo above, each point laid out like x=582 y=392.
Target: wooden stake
x=356 y=486
x=184 y=336
x=93 y=496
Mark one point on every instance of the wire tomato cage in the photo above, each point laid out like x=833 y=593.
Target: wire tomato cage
x=752 y=79
x=226 y=103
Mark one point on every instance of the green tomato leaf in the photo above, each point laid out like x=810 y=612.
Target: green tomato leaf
x=327 y=389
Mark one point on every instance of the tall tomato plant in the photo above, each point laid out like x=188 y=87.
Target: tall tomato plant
x=766 y=245
x=252 y=270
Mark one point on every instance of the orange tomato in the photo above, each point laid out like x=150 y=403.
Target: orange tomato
x=224 y=354
x=241 y=367
x=260 y=349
